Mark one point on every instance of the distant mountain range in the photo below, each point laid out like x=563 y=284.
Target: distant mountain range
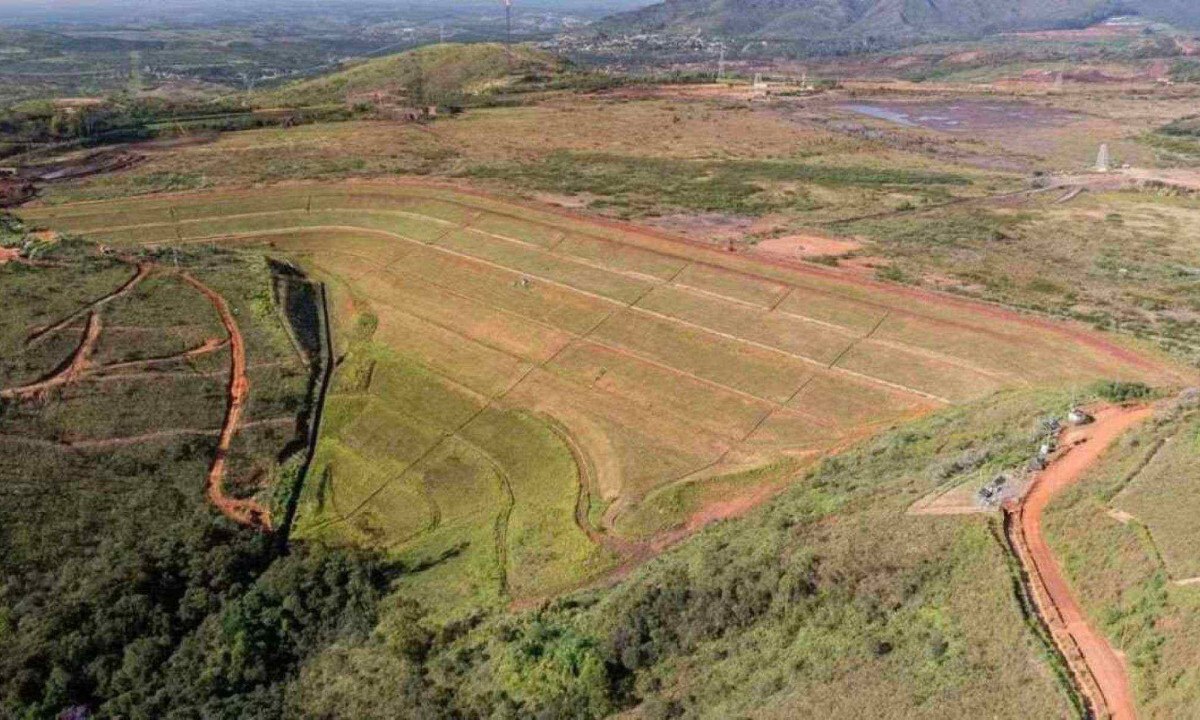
x=889 y=19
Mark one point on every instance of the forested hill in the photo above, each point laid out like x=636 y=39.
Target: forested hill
x=895 y=19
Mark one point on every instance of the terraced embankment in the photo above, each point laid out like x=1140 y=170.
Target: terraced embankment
x=692 y=381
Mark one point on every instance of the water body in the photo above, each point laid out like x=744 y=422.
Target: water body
x=881 y=113
x=965 y=115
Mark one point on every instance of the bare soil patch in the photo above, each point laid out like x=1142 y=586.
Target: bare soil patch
x=80 y=166
x=808 y=246
x=724 y=510
x=1104 y=31
x=15 y=191
x=716 y=228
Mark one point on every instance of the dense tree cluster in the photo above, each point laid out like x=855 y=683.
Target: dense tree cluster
x=192 y=614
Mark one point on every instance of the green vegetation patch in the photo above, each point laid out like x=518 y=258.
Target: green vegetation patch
x=917 y=232
x=123 y=592
x=493 y=491
x=1175 y=144
x=1183 y=127
x=1164 y=497
x=643 y=185
x=1185 y=70
x=449 y=73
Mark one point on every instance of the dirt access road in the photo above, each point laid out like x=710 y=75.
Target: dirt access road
x=245 y=512
x=1099 y=669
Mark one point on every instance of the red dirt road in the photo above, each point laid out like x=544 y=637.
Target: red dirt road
x=71 y=371
x=210 y=345
x=244 y=512
x=1099 y=669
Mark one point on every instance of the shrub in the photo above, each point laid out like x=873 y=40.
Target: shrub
x=1122 y=392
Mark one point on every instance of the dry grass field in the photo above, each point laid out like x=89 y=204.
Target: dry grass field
x=528 y=398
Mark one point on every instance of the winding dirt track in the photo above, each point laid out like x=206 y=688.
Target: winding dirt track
x=143 y=271
x=71 y=371
x=210 y=345
x=1098 y=668
x=244 y=512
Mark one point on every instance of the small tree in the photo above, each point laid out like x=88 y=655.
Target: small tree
x=415 y=85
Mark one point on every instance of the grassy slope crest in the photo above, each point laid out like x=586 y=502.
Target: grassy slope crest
x=441 y=73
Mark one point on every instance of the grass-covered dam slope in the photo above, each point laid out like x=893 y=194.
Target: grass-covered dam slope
x=529 y=399
x=831 y=601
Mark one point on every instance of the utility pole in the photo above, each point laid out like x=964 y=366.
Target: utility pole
x=508 y=31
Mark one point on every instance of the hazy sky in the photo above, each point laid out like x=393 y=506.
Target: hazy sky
x=132 y=11
x=68 y=5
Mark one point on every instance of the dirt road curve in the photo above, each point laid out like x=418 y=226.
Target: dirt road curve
x=68 y=373
x=245 y=512
x=1099 y=669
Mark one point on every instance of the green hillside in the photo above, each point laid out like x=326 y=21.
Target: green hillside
x=894 y=19
x=444 y=73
